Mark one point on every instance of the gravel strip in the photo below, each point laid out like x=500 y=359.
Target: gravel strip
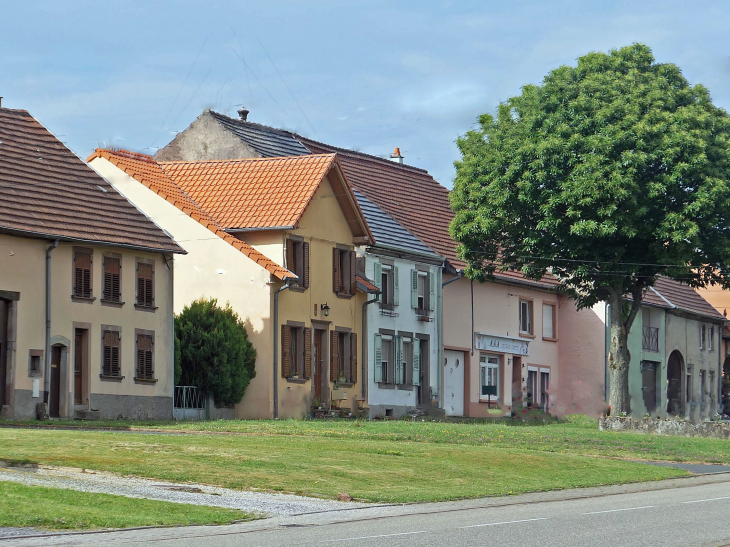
x=259 y=503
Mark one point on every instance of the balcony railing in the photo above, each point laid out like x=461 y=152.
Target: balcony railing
x=650 y=338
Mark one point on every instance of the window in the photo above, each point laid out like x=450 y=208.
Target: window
x=297 y=260
x=544 y=387
x=145 y=285
x=489 y=377
x=548 y=321
x=384 y=359
x=296 y=351
x=422 y=292
x=344 y=272
x=533 y=395
x=404 y=370
x=145 y=357
x=35 y=363
x=703 y=337
x=525 y=317
x=711 y=339
x=82 y=274
x=703 y=386
x=343 y=357
x=386 y=279
x=112 y=279
x=110 y=354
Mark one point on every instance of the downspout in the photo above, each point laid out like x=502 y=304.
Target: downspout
x=276 y=345
x=47 y=372
x=364 y=344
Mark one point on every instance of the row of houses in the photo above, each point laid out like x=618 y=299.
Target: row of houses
x=340 y=264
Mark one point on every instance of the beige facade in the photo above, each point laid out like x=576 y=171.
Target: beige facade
x=77 y=325
x=521 y=361
x=213 y=268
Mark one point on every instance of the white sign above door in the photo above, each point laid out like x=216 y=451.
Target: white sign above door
x=502 y=344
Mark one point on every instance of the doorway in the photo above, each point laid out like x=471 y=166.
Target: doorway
x=54 y=397
x=423 y=389
x=649 y=384
x=454 y=383
x=3 y=351
x=674 y=383
x=318 y=360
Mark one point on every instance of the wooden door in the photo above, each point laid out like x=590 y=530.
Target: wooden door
x=3 y=349
x=54 y=403
x=78 y=369
x=317 y=362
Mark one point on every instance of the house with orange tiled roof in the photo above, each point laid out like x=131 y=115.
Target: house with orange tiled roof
x=276 y=238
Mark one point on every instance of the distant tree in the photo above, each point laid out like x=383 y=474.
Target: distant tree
x=606 y=175
x=214 y=352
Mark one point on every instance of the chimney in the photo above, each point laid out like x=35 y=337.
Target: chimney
x=243 y=114
x=396 y=157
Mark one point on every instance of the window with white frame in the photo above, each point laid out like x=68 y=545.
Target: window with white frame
x=489 y=377
x=385 y=277
x=525 y=316
x=548 y=321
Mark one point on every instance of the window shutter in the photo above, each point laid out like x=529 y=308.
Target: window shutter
x=396 y=292
x=353 y=272
x=290 y=256
x=144 y=285
x=432 y=291
x=378 y=353
x=414 y=289
x=353 y=357
x=334 y=357
x=82 y=275
x=336 y=270
x=112 y=270
x=416 y=362
x=307 y=352
x=378 y=275
x=285 y=351
x=305 y=266
x=396 y=368
x=110 y=366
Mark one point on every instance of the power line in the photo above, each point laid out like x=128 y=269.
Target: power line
x=259 y=81
x=191 y=97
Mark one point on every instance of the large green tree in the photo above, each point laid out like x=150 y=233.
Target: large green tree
x=213 y=351
x=606 y=176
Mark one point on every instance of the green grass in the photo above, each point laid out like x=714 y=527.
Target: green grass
x=56 y=509
x=376 y=461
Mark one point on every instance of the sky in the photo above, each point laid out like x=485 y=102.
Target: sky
x=367 y=75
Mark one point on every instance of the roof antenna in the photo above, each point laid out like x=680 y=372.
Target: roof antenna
x=1 y=102
x=243 y=113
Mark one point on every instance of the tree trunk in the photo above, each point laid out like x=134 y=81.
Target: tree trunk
x=618 y=358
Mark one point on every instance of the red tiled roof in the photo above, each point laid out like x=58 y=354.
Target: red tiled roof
x=148 y=172
x=46 y=190
x=413 y=198
x=670 y=294
x=369 y=287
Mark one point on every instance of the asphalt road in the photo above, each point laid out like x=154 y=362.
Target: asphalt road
x=687 y=512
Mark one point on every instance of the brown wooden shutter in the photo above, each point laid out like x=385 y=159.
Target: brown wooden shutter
x=145 y=285
x=112 y=270
x=290 y=256
x=334 y=355
x=82 y=275
x=144 y=357
x=307 y=352
x=110 y=366
x=305 y=265
x=353 y=272
x=353 y=357
x=285 y=351
x=336 y=270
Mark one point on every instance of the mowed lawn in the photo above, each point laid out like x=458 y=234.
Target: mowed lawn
x=374 y=461
x=57 y=509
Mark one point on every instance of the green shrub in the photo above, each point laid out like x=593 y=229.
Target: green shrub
x=213 y=351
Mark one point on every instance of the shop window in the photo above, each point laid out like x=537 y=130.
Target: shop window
x=489 y=377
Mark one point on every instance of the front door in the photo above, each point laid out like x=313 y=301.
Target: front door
x=317 y=358
x=54 y=403
x=3 y=349
x=78 y=368
x=454 y=383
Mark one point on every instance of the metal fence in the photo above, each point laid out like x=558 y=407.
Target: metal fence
x=189 y=403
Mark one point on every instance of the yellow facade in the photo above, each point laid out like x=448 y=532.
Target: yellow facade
x=23 y=273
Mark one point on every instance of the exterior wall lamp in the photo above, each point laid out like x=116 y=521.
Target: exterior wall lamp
x=325 y=309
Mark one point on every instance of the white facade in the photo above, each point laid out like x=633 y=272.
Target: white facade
x=403 y=339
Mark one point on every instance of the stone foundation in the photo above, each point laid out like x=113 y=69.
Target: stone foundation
x=658 y=426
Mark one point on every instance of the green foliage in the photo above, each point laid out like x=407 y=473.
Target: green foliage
x=607 y=174
x=214 y=351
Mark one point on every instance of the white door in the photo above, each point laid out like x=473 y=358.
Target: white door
x=454 y=383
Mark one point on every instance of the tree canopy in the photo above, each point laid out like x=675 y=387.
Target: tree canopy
x=606 y=175
x=213 y=351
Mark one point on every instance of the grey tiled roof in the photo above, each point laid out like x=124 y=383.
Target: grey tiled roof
x=267 y=141
x=386 y=230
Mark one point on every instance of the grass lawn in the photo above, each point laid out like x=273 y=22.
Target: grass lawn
x=375 y=461
x=57 y=509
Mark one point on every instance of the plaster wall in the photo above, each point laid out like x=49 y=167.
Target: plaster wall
x=22 y=270
x=496 y=313
x=402 y=400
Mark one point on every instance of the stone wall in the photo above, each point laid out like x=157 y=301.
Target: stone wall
x=717 y=430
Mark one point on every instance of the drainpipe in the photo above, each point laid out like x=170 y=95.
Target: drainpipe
x=364 y=344
x=276 y=345
x=459 y=275
x=47 y=372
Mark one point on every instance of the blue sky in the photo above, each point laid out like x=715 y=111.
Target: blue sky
x=367 y=75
